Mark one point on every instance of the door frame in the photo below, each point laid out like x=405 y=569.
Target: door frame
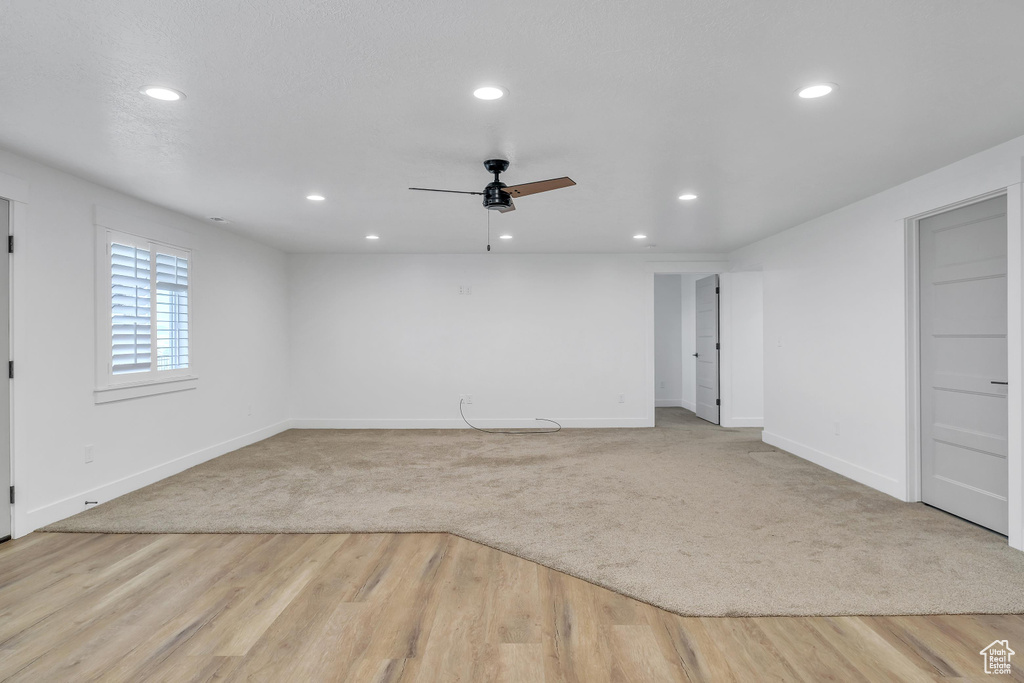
x=1015 y=354
x=11 y=205
x=667 y=268
x=15 y=190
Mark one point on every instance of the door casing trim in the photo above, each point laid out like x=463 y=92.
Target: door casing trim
x=912 y=290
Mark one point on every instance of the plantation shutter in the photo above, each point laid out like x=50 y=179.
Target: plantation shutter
x=171 y=312
x=130 y=309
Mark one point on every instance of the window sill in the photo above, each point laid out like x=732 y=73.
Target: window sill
x=123 y=392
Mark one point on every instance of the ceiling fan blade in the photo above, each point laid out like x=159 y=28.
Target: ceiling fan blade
x=510 y=207
x=427 y=189
x=539 y=186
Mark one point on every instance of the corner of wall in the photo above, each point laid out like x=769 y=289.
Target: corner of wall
x=850 y=470
x=31 y=520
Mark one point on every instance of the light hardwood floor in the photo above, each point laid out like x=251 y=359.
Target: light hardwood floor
x=411 y=607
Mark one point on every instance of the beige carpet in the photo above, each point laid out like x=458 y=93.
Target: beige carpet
x=693 y=518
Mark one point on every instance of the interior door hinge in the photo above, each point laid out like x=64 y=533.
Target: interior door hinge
x=717 y=347
x=10 y=244
x=716 y=290
x=718 y=401
x=10 y=369
x=12 y=495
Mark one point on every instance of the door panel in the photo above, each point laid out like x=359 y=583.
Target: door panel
x=957 y=311
x=707 y=349
x=970 y=468
x=964 y=418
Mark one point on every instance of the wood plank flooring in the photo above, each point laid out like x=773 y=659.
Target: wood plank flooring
x=415 y=608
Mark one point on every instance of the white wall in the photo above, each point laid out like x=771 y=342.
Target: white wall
x=835 y=325
x=741 y=326
x=240 y=349
x=388 y=340
x=668 y=340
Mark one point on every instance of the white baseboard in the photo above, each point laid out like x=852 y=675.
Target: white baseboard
x=743 y=422
x=668 y=403
x=47 y=514
x=689 y=405
x=848 y=469
x=444 y=423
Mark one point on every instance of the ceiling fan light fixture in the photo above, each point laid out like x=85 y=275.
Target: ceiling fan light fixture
x=489 y=92
x=504 y=237
x=159 y=92
x=497 y=196
x=817 y=90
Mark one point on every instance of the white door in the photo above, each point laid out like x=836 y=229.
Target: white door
x=963 y=363
x=5 y=394
x=707 y=348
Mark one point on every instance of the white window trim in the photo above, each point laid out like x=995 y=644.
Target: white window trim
x=110 y=387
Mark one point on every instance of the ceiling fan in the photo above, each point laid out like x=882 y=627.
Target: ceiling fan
x=498 y=196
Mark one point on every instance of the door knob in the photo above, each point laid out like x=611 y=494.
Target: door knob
x=697 y=354
x=995 y=382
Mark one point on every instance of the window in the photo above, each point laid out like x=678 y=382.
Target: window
x=144 y=299
x=137 y=273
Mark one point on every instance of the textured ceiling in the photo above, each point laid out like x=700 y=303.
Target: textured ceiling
x=636 y=101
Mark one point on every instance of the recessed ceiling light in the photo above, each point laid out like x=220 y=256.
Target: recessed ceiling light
x=315 y=197
x=818 y=90
x=372 y=237
x=489 y=92
x=639 y=237
x=689 y=196
x=158 y=92
x=504 y=237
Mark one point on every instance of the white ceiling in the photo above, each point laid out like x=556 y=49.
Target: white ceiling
x=636 y=101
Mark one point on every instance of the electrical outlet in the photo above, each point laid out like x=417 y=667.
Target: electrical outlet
x=466 y=398
x=622 y=398
x=88 y=453
x=836 y=426
x=465 y=290
x=661 y=385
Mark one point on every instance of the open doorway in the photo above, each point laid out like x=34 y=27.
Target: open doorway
x=685 y=358
x=673 y=340
x=709 y=360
